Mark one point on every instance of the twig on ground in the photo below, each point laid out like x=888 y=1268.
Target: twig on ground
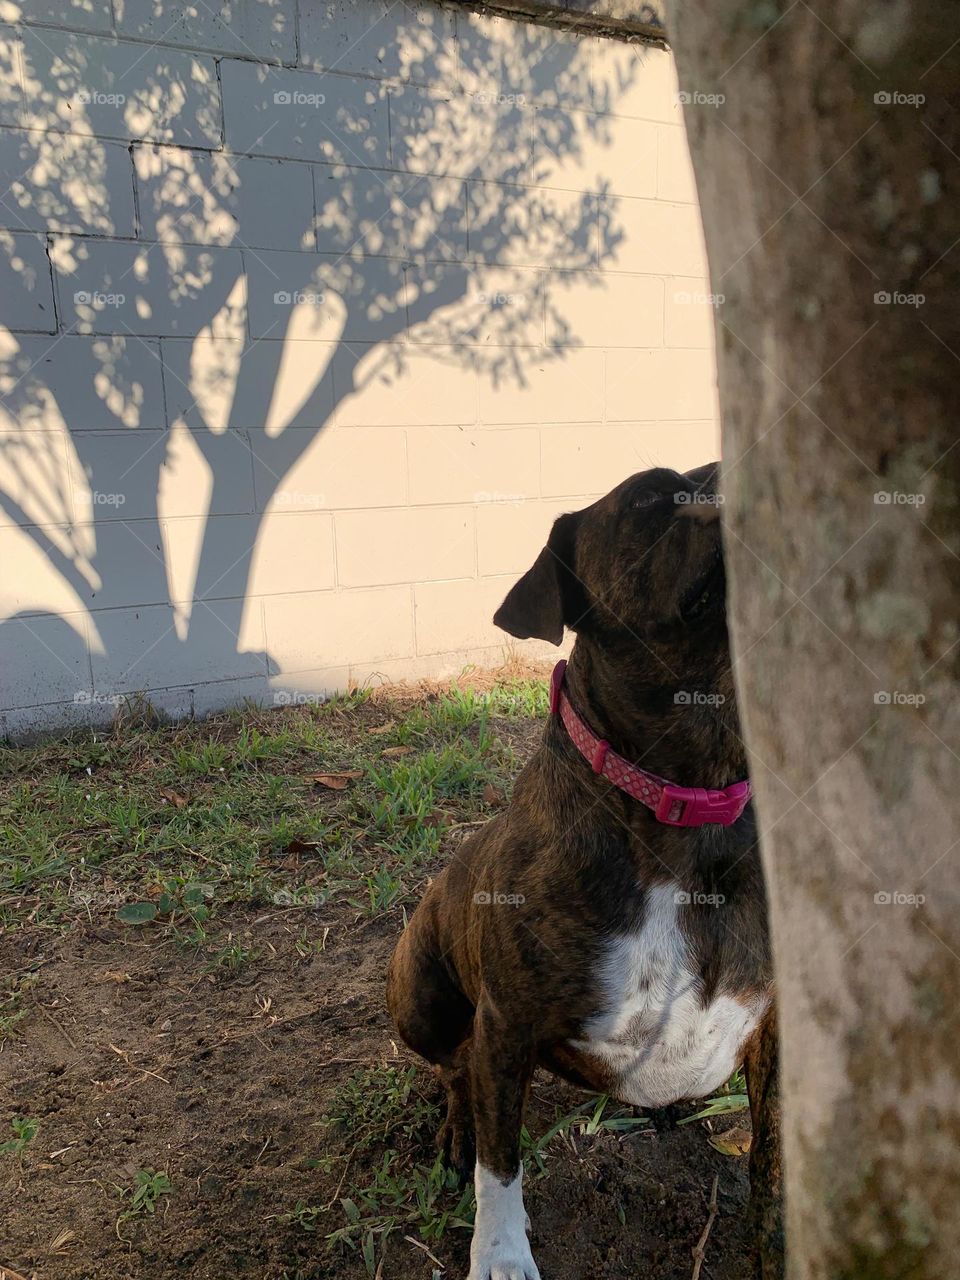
x=66 y=1035
x=418 y=1244
x=700 y=1251
x=343 y=1177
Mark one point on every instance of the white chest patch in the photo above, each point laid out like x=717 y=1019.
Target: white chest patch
x=653 y=1032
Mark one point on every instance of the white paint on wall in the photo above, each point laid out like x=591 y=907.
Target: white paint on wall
x=298 y=363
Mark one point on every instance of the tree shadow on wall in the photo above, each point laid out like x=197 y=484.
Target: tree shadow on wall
x=400 y=273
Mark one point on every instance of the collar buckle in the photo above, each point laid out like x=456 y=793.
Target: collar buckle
x=696 y=806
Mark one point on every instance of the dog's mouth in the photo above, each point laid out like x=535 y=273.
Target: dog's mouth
x=708 y=591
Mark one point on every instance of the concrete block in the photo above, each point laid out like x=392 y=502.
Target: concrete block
x=293 y=552
x=115 y=474
x=207 y=557
x=34 y=477
x=246 y=28
x=404 y=385
x=510 y=535
x=11 y=79
x=57 y=182
x=374 y=212
x=690 y=312
x=332 y=629
x=216 y=384
x=482 y=137
x=661 y=386
x=203 y=197
x=475 y=306
x=126 y=567
x=76 y=15
x=26 y=288
x=80 y=384
x=152 y=290
x=119 y=90
x=455 y=464
x=43 y=660
x=452 y=615
x=296 y=295
x=206 y=473
x=329 y=469
x=654 y=237
x=675 y=178
x=304 y=115
x=635 y=80
x=47 y=567
x=563 y=384
x=532 y=226
x=408 y=544
x=603 y=309
x=392 y=39
x=514 y=61
x=598 y=458
x=579 y=151
x=142 y=648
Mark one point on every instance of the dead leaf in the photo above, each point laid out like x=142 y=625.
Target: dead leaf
x=175 y=798
x=116 y=975
x=383 y=728
x=300 y=846
x=492 y=796
x=732 y=1142
x=439 y=818
x=337 y=781
x=390 y=752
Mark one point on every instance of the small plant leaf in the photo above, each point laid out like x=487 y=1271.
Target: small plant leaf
x=137 y=912
x=350 y=1209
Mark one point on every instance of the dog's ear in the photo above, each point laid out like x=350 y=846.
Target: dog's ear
x=543 y=601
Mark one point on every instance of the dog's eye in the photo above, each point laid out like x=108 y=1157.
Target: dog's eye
x=646 y=499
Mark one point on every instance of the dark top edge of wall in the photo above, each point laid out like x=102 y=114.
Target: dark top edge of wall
x=619 y=19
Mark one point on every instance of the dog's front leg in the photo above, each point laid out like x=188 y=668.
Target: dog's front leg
x=502 y=1061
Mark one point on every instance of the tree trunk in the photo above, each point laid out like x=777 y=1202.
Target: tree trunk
x=829 y=177
x=766 y=1173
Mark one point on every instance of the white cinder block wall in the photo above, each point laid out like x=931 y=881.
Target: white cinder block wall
x=314 y=315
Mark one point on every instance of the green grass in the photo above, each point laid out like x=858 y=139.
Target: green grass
x=143 y=1196
x=381 y=1126
x=733 y=1097
x=169 y=825
x=12 y=1011
x=24 y=1131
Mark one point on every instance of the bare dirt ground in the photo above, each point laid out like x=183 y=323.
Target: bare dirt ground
x=222 y=1096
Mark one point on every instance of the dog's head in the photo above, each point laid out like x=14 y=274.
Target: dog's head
x=644 y=562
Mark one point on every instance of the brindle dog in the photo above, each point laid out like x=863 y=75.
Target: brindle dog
x=576 y=931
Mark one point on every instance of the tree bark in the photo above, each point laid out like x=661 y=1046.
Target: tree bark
x=827 y=156
x=766 y=1172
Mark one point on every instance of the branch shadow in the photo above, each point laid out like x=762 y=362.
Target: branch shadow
x=437 y=235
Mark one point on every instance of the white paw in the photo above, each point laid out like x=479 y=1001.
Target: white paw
x=503 y=1262
x=500 y=1250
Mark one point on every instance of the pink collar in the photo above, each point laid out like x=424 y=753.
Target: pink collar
x=676 y=806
